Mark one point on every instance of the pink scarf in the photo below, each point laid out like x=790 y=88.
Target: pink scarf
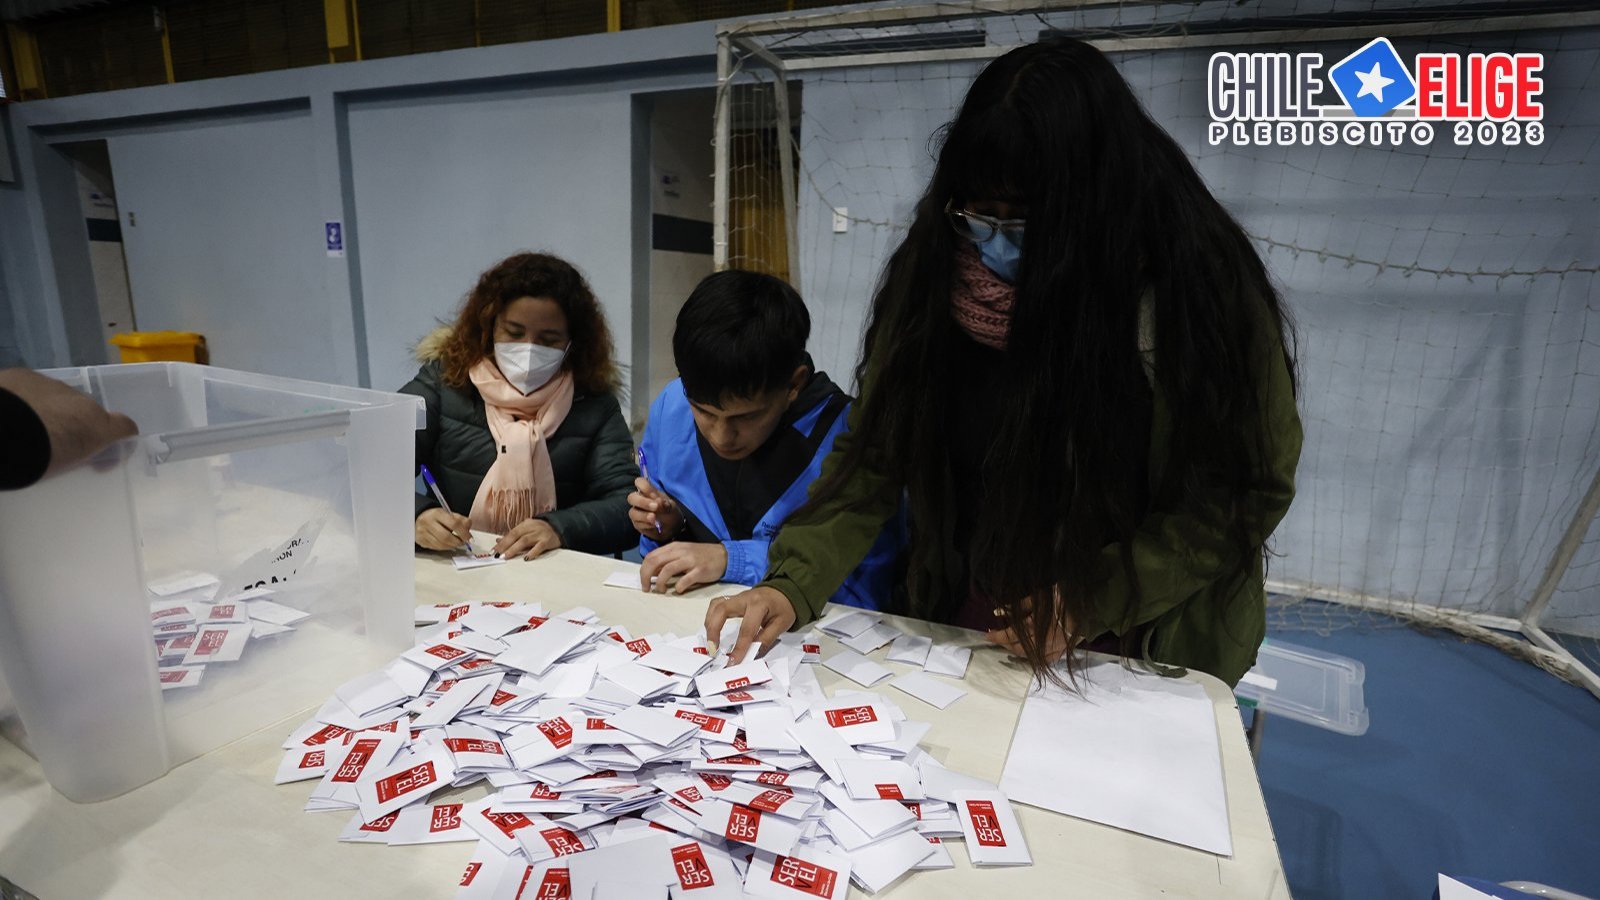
x=981 y=300
x=521 y=484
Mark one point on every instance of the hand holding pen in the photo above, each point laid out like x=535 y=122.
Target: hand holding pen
x=439 y=528
x=652 y=512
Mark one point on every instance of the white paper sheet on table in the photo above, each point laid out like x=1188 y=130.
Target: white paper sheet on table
x=1137 y=752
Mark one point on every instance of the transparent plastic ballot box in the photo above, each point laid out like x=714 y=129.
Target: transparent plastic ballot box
x=237 y=483
x=1310 y=686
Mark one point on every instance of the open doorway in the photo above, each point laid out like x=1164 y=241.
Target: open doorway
x=97 y=203
x=680 y=216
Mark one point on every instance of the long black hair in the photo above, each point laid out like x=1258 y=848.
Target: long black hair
x=1115 y=212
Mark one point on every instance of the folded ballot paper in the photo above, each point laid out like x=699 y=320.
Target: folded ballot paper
x=603 y=764
x=193 y=628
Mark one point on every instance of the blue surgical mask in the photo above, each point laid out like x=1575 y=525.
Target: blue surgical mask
x=1001 y=255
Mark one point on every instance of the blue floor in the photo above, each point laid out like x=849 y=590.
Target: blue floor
x=1475 y=764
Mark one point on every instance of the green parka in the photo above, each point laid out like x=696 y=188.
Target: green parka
x=1197 y=616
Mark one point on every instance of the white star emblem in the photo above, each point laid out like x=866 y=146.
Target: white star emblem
x=1372 y=83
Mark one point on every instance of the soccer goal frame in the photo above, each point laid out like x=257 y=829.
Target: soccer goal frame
x=745 y=50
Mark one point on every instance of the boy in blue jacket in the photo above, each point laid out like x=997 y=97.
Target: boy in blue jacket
x=732 y=446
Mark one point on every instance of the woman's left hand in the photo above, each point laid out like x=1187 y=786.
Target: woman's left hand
x=1056 y=643
x=530 y=538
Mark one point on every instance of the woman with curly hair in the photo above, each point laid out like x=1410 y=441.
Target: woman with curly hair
x=524 y=429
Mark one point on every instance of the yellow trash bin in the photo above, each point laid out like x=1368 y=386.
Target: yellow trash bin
x=162 y=346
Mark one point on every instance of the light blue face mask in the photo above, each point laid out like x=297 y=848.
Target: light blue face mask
x=1001 y=255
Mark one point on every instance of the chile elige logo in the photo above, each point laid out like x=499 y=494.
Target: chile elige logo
x=1275 y=98
x=1373 y=80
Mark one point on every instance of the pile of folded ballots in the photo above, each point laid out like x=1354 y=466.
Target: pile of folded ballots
x=618 y=766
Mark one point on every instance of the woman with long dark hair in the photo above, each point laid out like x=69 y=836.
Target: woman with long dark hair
x=1078 y=373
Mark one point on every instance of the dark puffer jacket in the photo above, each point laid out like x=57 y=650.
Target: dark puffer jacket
x=592 y=454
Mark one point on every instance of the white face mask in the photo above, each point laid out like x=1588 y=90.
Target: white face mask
x=528 y=366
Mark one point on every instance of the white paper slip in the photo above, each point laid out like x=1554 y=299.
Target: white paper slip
x=476 y=560
x=174 y=677
x=823 y=745
x=435 y=656
x=302 y=764
x=928 y=689
x=267 y=629
x=646 y=861
x=218 y=643
x=807 y=874
x=492 y=622
x=880 y=779
x=537 y=650
x=990 y=827
x=764 y=831
x=941 y=783
x=910 y=648
x=654 y=725
x=360 y=831
x=857 y=668
x=882 y=863
x=404 y=782
x=855 y=721
x=877 y=818
x=947 y=659
x=439 y=823
x=733 y=678
x=547 y=741
x=675 y=660
x=739 y=697
x=225 y=614
x=939 y=858
x=871 y=639
x=1144 y=756
x=703 y=874
x=848 y=624
x=453 y=701
x=628 y=579
x=369 y=693
x=182 y=583
x=767 y=728
x=638 y=679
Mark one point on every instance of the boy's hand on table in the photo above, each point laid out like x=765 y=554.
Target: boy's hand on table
x=653 y=514
x=766 y=612
x=692 y=565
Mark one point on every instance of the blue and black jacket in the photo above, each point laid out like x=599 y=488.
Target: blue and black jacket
x=741 y=504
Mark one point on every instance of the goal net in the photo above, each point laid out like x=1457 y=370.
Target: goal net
x=1445 y=292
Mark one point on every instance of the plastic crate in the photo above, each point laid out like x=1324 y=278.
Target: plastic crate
x=161 y=346
x=1322 y=689
x=227 y=466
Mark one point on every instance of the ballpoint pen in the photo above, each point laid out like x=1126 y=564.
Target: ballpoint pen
x=439 y=496
x=644 y=469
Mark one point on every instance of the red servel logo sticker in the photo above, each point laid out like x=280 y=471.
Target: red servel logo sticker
x=446 y=817
x=854 y=715
x=562 y=842
x=743 y=824
x=985 y=824
x=413 y=779
x=806 y=877
x=690 y=864
x=557 y=731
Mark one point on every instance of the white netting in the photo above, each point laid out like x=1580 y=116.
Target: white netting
x=1444 y=294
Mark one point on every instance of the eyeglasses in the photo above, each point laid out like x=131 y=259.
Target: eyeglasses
x=980 y=228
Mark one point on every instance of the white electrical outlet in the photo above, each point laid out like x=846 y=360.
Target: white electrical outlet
x=841 y=220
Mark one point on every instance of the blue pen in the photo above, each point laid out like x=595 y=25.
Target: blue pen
x=644 y=469
x=439 y=496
